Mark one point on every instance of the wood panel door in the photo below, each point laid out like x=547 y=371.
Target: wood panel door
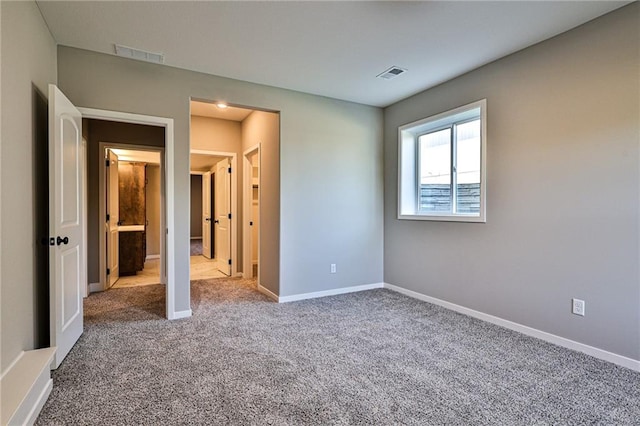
x=113 y=218
x=222 y=213
x=206 y=215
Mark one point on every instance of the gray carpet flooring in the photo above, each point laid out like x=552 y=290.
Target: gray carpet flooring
x=195 y=248
x=374 y=357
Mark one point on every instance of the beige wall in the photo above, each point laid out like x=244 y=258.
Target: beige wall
x=264 y=128
x=323 y=217
x=152 y=193
x=28 y=66
x=562 y=190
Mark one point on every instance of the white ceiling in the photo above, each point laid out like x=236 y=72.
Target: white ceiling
x=206 y=109
x=333 y=49
x=204 y=162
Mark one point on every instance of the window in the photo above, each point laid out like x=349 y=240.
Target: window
x=442 y=166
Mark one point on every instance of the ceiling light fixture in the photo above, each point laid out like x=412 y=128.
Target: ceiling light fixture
x=221 y=105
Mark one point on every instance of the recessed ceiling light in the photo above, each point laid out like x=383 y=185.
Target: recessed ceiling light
x=221 y=105
x=392 y=72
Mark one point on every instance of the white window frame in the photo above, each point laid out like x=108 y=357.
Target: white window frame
x=408 y=168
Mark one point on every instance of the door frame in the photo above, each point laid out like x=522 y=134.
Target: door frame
x=247 y=207
x=167 y=244
x=234 y=203
x=102 y=191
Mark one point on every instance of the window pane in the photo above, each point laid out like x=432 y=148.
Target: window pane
x=468 y=167
x=435 y=171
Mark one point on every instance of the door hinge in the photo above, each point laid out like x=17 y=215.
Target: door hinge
x=229 y=215
x=107 y=163
x=229 y=261
x=108 y=217
x=229 y=169
x=108 y=271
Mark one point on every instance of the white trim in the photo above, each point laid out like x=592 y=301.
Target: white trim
x=196 y=238
x=268 y=293
x=29 y=379
x=95 y=287
x=152 y=256
x=529 y=331
x=167 y=187
x=335 y=291
x=408 y=198
x=247 y=206
x=181 y=314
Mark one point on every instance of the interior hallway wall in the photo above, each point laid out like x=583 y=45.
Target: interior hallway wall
x=28 y=67
x=213 y=134
x=264 y=128
x=196 y=206
x=152 y=195
x=563 y=187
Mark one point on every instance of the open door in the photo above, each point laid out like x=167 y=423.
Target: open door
x=222 y=213
x=113 y=218
x=206 y=215
x=67 y=271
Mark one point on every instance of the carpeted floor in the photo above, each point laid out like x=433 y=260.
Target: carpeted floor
x=195 y=247
x=374 y=357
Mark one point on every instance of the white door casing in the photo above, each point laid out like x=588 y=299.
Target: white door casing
x=251 y=212
x=67 y=269
x=113 y=213
x=206 y=215
x=222 y=213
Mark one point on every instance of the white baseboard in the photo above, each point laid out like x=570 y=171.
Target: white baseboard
x=152 y=256
x=196 y=238
x=181 y=314
x=95 y=287
x=316 y=294
x=29 y=379
x=529 y=331
x=268 y=293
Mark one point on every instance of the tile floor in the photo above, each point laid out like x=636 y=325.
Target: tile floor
x=201 y=268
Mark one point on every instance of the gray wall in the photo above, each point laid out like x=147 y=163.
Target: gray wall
x=28 y=66
x=196 y=206
x=562 y=198
x=330 y=168
x=113 y=132
x=264 y=128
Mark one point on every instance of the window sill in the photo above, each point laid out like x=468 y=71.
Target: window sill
x=445 y=218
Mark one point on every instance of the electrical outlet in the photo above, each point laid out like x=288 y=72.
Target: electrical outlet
x=333 y=268
x=577 y=307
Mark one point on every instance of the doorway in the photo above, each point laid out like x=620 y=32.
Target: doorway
x=133 y=215
x=213 y=228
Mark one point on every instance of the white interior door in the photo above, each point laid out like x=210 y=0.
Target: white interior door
x=206 y=215
x=222 y=207
x=113 y=217
x=67 y=271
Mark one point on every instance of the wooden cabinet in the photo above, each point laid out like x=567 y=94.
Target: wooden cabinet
x=132 y=251
x=132 y=211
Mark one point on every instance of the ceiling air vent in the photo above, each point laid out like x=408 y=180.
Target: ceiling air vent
x=392 y=72
x=140 y=55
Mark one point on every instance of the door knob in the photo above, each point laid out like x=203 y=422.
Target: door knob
x=64 y=240
x=216 y=221
x=208 y=219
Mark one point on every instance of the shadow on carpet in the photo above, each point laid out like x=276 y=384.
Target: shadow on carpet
x=374 y=357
